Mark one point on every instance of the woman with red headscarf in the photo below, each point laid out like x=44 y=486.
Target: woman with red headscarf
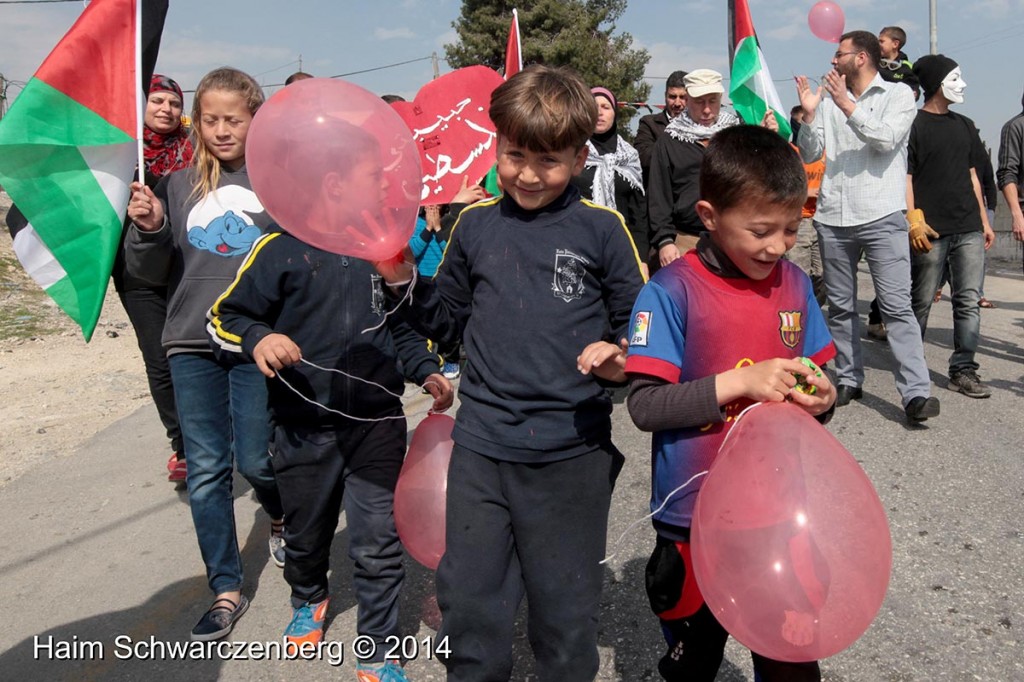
x=167 y=148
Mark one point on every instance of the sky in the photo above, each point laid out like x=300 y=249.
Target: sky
x=268 y=38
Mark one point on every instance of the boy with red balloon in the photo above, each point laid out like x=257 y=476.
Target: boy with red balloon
x=539 y=284
x=314 y=323
x=721 y=328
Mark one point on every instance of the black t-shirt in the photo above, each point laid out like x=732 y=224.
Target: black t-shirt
x=942 y=151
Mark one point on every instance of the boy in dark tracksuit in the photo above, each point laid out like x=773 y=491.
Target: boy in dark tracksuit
x=293 y=303
x=538 y=284
x=719 y=329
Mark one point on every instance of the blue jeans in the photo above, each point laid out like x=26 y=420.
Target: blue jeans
x=964 y=256
x=224 y=420
x=887 y=251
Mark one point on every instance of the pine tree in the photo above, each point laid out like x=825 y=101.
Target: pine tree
x=576 y=33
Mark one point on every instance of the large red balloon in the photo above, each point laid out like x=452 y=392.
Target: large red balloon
x=422 y=490
x=827 y=21
x=791 y=546
x=336 y=167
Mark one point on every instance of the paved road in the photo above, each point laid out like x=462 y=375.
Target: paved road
x=100 y=552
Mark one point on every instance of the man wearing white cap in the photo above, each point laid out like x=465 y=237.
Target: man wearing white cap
x=673 y=188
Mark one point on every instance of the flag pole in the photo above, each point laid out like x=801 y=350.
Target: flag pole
x=140 y=98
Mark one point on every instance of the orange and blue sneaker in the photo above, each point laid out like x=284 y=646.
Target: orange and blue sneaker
x=307 y=623
x=380 y=672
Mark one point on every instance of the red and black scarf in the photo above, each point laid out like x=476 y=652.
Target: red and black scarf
x=166 y=152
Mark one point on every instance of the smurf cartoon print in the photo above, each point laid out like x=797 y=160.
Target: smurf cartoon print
x=221 y=223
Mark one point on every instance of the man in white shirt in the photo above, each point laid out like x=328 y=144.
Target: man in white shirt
x=863 y=128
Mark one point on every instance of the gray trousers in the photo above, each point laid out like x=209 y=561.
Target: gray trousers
x=806 y=255
x=887 y=251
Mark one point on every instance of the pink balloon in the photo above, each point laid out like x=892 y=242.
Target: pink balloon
x=336 y=167
x=791 y=546
x=827 y=21
x=421 y=493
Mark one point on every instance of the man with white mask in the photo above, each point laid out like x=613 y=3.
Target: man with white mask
x=946 y=210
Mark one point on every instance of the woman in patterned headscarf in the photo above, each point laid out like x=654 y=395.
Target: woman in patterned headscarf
x=612 y=175
x=167 y=149
x=167 y=146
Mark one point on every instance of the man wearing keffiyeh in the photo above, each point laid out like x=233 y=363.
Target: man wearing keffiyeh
x=673 y=189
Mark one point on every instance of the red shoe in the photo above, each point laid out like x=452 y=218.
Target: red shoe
x=176 y=469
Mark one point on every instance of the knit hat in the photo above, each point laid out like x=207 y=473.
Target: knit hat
x=161 y=83
x=931 y=70
x=703 y=82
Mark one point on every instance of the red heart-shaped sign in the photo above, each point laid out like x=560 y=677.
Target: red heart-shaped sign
x=453 y=132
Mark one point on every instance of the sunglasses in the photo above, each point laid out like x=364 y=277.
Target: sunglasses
x=890 y=64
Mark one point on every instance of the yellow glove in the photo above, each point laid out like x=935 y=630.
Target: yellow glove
x=920 y=232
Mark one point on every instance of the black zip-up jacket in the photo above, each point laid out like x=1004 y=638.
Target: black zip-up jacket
x=673 y=190
x=325 y=303
x=1011 y=155
x=527 y=291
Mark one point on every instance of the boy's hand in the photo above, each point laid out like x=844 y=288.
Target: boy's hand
x=144 y=208
x=469 y=194
x=274 y=352
x=442 y=390
x=822 y=398
x=769 y=122
x=766 y=381
x=398 y=270
x=433 y=217
x=604 y=360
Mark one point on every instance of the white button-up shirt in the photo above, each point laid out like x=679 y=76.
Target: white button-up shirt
x=865 y=154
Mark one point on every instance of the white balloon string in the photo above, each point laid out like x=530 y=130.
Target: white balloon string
x=350 y=376
x=740 y=416
x=671 y=494
x=365 y=381
x=405 y=297
x=653 y=513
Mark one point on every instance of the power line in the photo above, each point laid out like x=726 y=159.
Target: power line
x=350 y=73
x=378 y=68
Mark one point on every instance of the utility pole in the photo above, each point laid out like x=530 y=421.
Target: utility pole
x=934 y=22
x=437 y=66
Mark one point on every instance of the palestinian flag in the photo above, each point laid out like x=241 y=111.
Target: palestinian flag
x=69 y=148
x=750 y=87
x=513 y=48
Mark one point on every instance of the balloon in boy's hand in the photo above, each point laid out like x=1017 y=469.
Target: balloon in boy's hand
x=422 y=490
x=336 y=167
x=827 y=21
x=791 y=547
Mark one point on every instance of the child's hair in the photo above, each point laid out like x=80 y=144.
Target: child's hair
x=746 y=164
x=297 y=76
x=206 y=166
x=336 y=147
x=895 y=33
x=544 y=109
